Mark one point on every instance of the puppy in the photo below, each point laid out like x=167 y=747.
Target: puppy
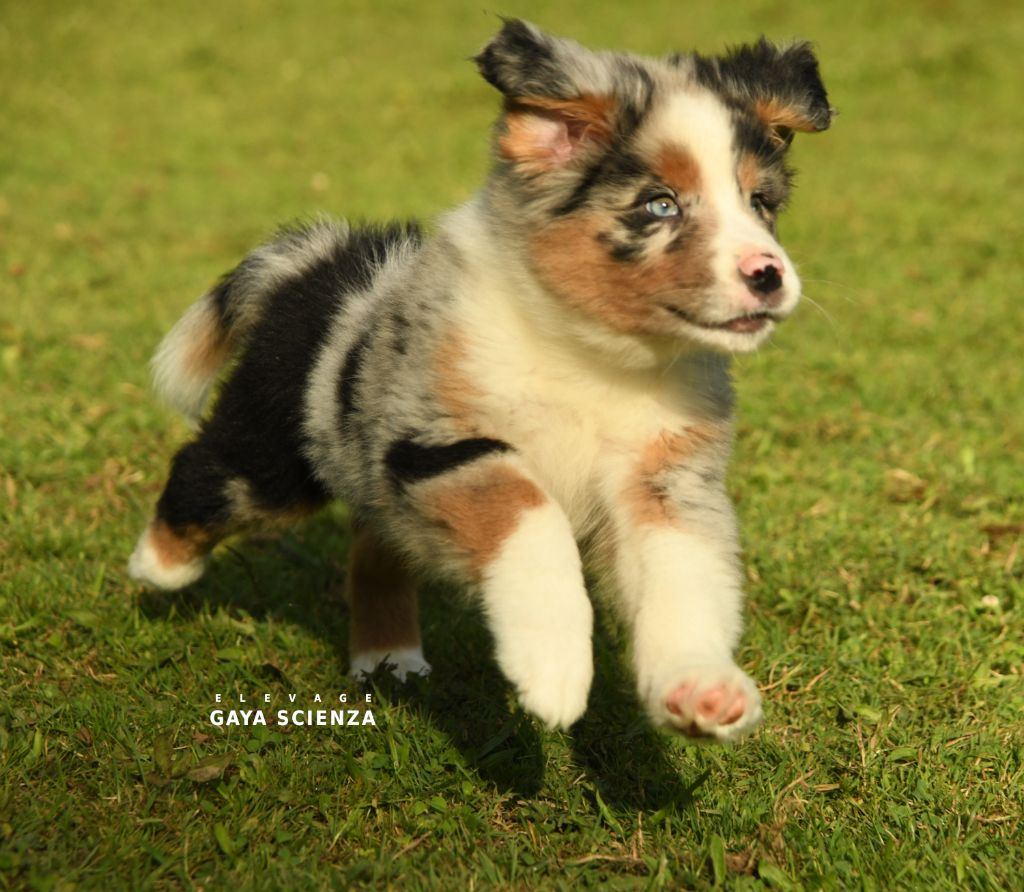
x=543 y=380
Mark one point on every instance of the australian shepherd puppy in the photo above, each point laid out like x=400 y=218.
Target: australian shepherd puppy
x=541 y=385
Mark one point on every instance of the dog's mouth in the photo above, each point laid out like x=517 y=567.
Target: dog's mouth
x=748 y=323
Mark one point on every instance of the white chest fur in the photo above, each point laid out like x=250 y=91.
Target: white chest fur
x=575 y=420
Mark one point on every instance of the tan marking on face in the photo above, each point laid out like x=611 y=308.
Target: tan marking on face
x=482 y=509
x=571 y=262
x=381 y=596
x=775 y=114
x=646 y=501
x=748 y=172
x=530 y=122
x=679 y=169
x=175 y=547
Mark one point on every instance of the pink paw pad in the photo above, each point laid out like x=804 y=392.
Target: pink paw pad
x=721 y=705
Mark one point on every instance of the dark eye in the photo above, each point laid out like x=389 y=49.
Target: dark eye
x=662 y=206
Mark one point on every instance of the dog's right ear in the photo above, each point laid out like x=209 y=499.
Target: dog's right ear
x=555 y=107
x=522 y=60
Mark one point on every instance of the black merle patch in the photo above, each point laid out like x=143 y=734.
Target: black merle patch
x=632 y=110
x=410 y=462
x=626 y=253
x=352 y=260
x=617 y=167
x=194 y=494
x=765 y=72
x=255 y=431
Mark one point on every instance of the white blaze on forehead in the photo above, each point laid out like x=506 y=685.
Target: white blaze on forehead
x=696 y=121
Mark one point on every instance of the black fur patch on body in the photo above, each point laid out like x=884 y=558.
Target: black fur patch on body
x=255 y=430
x=410 y=462
x=194 y=494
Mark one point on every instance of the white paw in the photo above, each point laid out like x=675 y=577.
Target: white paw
x=551 y=679
x=400 y=662
x=716 y=700
x=537 y=608
x=147 y=567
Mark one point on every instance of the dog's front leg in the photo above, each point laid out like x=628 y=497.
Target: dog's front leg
x=678 y=576
x=541 y=618
x=684 y=601
x=496 y=527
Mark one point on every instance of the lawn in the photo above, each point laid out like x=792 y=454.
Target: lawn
x=878 y=477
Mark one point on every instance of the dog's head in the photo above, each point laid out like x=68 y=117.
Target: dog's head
x=644 y=192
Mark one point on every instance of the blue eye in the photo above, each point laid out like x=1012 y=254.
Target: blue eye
x=662 y=206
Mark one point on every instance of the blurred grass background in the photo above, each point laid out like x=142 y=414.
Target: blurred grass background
x=146 y=147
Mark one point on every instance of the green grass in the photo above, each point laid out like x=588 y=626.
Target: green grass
x=878 y=477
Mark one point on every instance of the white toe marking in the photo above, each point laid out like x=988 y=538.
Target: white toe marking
x=401 y=662
x=145 y=566
x=554 y=685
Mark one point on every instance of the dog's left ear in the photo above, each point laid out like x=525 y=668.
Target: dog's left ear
x=781 y=85
x=558 y=97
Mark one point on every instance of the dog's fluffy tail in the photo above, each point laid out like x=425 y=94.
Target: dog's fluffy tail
x=189 y=358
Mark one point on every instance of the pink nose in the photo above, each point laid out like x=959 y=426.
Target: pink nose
x=762 y=273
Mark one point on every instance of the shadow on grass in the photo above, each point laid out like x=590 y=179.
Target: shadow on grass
x=467 y=698
x=297 y=578
x=625 y=758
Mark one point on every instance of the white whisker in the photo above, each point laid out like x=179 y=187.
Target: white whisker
x=825 y=313
x=854 y=291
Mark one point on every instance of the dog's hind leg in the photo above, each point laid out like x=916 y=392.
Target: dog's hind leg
x=193 y=514
x=383 y=602
x=210 y=494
